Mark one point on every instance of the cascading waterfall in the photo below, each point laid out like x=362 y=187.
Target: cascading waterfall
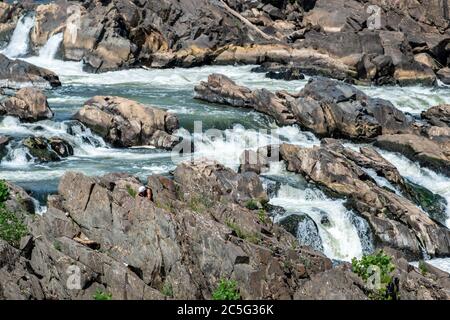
x=51 y=48
x=19 y=43
x=340 y=238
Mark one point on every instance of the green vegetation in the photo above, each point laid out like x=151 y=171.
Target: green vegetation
x=12 y=228
x=423 y=267
x=252 y=204
x=167 y=290
x=200 y=203
x=4 y=191
x=100 y=295
x=131 y=191
x=251 y=237
x=227 y=290
x=262 y=215
x=367 y=267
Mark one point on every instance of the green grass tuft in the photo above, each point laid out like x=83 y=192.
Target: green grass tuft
x=227 y=290
x=100 y=295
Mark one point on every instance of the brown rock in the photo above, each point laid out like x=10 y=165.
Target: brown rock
x=29 y=104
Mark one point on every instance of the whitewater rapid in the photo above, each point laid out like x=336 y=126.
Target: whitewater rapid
x=346 y=236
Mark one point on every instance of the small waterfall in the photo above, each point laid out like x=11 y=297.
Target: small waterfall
x=49 y=51
x=19 y=43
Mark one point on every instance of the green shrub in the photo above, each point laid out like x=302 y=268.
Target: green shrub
x=12 y=229
x=227 y=290
x=57 y=245
x=252 y=204
x=423 y=267
x=200 y=203
x=4 y=191
x=131 y=191
x=365 y=269
x=167 y=290
x=100 y=295
x=262 y=215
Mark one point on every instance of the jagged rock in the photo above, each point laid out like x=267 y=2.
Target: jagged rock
x=327 y=107
x=395 y=220
x=221 y=89
x=126 y=123
x=17 y=74
x=438 y=115
x=28 y=104
x=429 y=153
x=46 y=150
x=50 y=19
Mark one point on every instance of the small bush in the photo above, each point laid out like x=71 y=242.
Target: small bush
x=4 y=191
x=227 y=290
x=262 y=215
x=12 y=229
x=423 y=267
x=131 y=191
x=200 y=203
x=100 y=295
x=365 y=268
x=252 y=204
x=167 y=290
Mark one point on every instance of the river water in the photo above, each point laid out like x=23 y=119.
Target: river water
x=343 y=237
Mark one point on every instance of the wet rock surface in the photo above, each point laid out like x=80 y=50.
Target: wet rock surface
x=125 y=123
x=17 y=74
x=28 y=104
x=46 y=150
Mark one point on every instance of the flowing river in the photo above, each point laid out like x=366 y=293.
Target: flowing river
x=343 y=237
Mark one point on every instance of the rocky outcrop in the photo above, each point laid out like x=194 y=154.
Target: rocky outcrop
x=28 y=104
x=99 y=237
x=335 y=39
x=45 y=150
x=17 y=74
x=132 y=248
x=395 y=220
x=221 y=89
x=126 y=123
x=279 y=71
x=326 y=107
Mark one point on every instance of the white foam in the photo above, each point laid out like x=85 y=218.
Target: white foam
x=340 y=238
x=436 y=183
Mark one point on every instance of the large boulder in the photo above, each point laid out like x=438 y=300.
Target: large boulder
x=126 y=123
x=221 y=89
x=438 y=115
x=17 y=74
x=28 y=104
x=334 y=109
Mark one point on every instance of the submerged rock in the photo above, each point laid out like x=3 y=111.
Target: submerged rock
x=28 y=104
x=280 y=72
x=126 y=123
x=46 y=150
x=17 y=74
x=304 y=229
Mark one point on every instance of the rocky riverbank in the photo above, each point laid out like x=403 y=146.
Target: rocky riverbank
x=399 y=43
x=198 y=229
